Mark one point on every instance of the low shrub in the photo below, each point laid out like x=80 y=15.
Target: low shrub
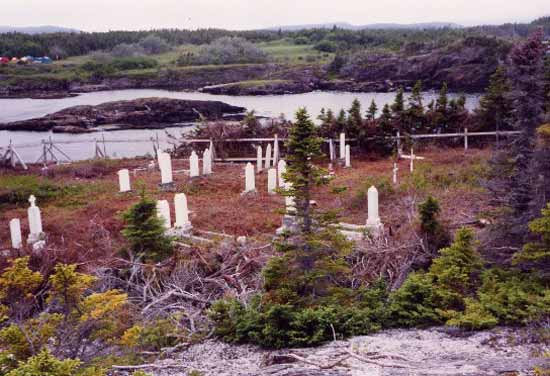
x=15 y=190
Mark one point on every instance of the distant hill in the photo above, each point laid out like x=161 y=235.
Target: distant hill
x=36 y=29
x=348 y=26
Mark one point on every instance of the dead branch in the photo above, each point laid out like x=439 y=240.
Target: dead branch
x=321 y=366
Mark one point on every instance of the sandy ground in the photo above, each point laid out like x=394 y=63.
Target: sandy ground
x=415 y=352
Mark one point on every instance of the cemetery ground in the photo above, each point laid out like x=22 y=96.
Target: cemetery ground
x=81 y=206
x=81 y=213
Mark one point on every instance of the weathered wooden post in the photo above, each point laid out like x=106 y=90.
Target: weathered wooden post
x=465 y=139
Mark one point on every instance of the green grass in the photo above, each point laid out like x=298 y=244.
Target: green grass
x=281 y=51
x=284 y=51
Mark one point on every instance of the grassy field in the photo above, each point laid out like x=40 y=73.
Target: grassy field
x=280 y=51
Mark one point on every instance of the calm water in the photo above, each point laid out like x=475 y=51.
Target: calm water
x=21 y=109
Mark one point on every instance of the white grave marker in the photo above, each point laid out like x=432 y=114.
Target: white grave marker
x=332 y=154
x=206 y=162
x=395 y=169
x=348 y=157
x=342 y=145
x=373 y=218
x=268 y=156
x=259 y=158
x=182 y=211
x=250 y=179
x=281 y=169
x=194 y=165
x=35 y=221
x=271 y=180
x=163 y=212
x=15 y=231
x=165 y=165
x=124 y=181
x=276 y=151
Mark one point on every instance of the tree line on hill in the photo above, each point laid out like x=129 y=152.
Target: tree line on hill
x=327 y=40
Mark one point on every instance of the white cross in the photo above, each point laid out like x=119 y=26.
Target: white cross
x=412 y=157
x=32 y=200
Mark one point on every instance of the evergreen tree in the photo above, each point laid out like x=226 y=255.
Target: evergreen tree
x=495 y=107
x=303 y=147
x=441 y=119
x=341 y=122
x=537 y=254
x=515 y=170
x=373 y=109
x=435 y=235
x=385 y=132
x=355 y=120
x=145 y=231
x=398 y=106
x=415 y=110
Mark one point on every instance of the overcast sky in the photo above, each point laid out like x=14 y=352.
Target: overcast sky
x=102 y=15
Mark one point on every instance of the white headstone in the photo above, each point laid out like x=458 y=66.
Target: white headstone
x=206 y=162
x=15 y=231
x=281 y=169
x=163 y=212
x=342 y=145
x=412 y=160
x=124 y=180
x=331 y=153
x=373 y=219
x=182 y=211
x=165 y=165
x=348 y=156
x=271 y=180
x=250 y=178
x=395 y=169
x=35 y=221
x=212 y=150
x=276 y=151
x=268 y=156
x=194 y=165
x=259 y=158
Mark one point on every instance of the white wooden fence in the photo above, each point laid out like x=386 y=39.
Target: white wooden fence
x=51 y=150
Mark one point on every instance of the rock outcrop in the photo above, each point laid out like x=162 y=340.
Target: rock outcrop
x=134 y=114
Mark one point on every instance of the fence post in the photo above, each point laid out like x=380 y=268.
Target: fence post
x=465 y=139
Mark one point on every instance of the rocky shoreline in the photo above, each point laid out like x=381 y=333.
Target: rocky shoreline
x=501 y=351
x=144 y=113
x=465 y=69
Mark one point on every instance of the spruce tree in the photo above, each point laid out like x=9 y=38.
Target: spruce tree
x=373 y=109
x=398 y=106
x=415 y=110
x=144 y=231
x=355 y=120
x=341 y=122
x=385 y=132
x=303 y=148
x=495 y=107
x=441 y=121
x=515 y=172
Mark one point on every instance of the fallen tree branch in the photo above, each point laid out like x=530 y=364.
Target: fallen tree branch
x=321 y=366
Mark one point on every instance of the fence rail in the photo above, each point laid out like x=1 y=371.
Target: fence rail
x=52 y=152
